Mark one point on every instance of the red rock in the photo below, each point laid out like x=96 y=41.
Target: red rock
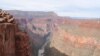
x=13 y=42
x=22 y=44
x=7 y=43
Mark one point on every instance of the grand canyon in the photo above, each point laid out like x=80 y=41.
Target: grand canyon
x=38 y=33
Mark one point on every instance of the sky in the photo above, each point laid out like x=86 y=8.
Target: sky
x=72 y=8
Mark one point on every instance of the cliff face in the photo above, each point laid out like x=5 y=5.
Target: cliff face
x=13 y=42
x=31 y=14
x=7 y=43
x=75 y=41
x=22 y=44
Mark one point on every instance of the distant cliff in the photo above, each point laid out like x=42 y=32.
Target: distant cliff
x=31 y=14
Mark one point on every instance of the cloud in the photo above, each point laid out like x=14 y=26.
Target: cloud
x=79 y=14
x=28 y=5
x=78 y=8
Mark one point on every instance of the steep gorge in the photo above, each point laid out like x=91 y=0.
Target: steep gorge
x=49 y=36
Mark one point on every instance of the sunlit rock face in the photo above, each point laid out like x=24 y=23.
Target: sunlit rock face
x=76 y=41
x=13 y=41
x=7 y=43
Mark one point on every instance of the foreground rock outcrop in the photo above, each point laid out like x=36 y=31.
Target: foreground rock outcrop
x=13 y=42
x=7 y=40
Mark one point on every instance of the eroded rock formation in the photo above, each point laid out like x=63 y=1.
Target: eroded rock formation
x=13 y=42
x=6 y=17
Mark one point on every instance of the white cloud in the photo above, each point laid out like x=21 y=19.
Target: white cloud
x=79 y=14
x=58 y=6
x=27 y=5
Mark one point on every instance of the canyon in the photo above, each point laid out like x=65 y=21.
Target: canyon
x=38 y=33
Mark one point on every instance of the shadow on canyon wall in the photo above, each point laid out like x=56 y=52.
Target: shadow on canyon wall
x=53 y=52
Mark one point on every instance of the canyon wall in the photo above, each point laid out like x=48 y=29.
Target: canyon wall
x=66 y=43
x=7 y=43
x=13 y=42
